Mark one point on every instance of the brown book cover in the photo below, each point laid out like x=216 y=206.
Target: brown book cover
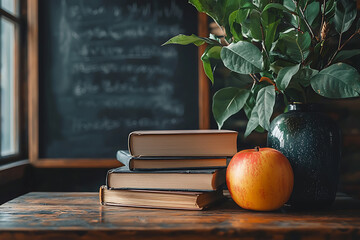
x=159 y=199
x=180 y=180
x=183 y=143
x=169 y=163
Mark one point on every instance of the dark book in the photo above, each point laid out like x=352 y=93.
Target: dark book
x=182 y=180
x=220 y=143
x=159 y=199
x=168 y=163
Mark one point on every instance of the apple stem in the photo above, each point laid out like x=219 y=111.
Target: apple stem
x=257 y=148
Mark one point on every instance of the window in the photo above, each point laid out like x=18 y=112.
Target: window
x=9 y=77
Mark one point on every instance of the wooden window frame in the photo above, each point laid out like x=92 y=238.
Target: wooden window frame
x=33 y=98
x=20 y=83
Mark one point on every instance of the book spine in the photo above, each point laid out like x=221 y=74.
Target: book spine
x=153 y=207
x=130 y=145
x=101 y=195
x=165 y=189
x=107 y=178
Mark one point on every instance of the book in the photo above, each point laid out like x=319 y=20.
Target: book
x=183 y=180
x=195 y=143
x=168 y=163
x=159 y=199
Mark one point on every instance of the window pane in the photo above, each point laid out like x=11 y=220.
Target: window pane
x=9 y=133
x=11 y=6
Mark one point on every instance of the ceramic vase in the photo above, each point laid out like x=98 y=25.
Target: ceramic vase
x=312 y=143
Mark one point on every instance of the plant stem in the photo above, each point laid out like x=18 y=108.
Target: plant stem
x=306 y=4
x=303 y=17
x=340 y=47
x=254 y=77
x=263 y=41
x=307 y=24
x=322 y=19
x=339 y=41
x=348 y=40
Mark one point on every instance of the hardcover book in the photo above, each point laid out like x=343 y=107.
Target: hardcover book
x=169 y=163
x=182 y=180
x=221 y=143
x=159 y=199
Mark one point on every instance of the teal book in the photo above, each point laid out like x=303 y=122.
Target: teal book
x=178 y=180
x=169 y=163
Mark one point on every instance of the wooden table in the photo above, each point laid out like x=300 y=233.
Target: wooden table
x=41 y=215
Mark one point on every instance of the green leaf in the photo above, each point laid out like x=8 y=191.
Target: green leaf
x=261 y=3
x=245 y=31
x=284 y=77
x=235 y=27
x=257 y=86
x=207 y=69
x=279 y=64
x=184 y=40
x=289 y=4
x=232 y=21
x=227 y=102
x=259 y=129
x=345 y=13
x=345 y=54
x=312 y=11
x=252 y=123
x=239 y=80
x=262 y=111
x=214 y=38
x=304 y=75
x=214 y=52
x=270 y=34
x=295 y=90
x=235 y=19
x=329 y=5
x=329 y=8
x=337 y=81
x=265 y=102
x=252 y=25
x=249 y=105
x=247 y=4
x=270 y=19
x=242 y=57
x=278 y=6
x=241 y=15
x=292 y=45
x=219 y=10
x=211 y=52
x=270 y=15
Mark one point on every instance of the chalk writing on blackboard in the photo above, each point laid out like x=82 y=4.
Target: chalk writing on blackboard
x=103 y=73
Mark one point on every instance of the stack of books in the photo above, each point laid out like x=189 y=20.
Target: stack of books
x=171 y=169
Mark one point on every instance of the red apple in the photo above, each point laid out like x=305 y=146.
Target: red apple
x=260 y=179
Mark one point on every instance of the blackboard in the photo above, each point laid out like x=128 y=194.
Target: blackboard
x=103 y=73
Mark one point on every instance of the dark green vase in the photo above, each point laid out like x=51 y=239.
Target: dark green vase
x=311 y=142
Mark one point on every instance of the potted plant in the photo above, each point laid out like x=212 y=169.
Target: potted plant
x=292 y=50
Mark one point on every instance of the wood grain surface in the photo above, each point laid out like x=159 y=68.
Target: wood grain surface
x=41 y=215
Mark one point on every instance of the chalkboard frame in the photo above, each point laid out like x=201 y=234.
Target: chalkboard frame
x=33 y=98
